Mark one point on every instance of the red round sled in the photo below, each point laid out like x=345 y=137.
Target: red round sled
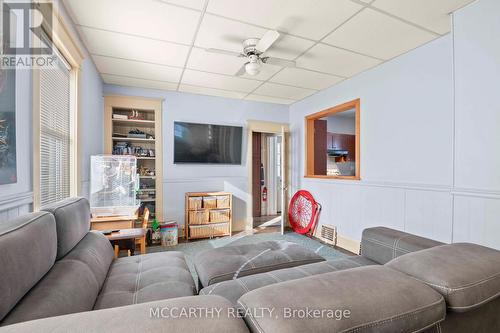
x=303 y=213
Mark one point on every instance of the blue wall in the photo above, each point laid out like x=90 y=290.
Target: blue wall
x=90 y=119
x=16 y=199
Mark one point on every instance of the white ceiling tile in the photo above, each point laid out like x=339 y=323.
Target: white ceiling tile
x=136 y=69
x=335 y=61
x=132 y=82
x=310 y=19
x=306 y=79
x=225 y=64
x=210 y=91
x=431 y=14
x=281 y=91
x=118 y=45
x=148 y=18
x=221 y=33
x=218 y=81
x=378 y=35
x=268 y=99
x=195 y=4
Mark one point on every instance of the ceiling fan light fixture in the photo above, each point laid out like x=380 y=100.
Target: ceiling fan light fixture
x=253 y=65
x=252 y=68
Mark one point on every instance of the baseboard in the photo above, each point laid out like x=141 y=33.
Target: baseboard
x=348 y=244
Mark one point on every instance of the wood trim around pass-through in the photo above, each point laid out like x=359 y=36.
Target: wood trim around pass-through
x=309 y=139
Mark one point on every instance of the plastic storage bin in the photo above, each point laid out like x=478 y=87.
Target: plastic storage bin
x=168 y=234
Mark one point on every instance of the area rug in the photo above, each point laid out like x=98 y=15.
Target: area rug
x=190 y=249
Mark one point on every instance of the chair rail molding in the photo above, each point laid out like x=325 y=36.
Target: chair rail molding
x=16 y=200
x=203 y=179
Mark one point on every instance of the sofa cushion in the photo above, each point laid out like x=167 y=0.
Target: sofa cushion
x=146 y=317
x=365 y=299
x=468 y=275
x=382 y=244
x=232 y=290
x=226 y=263
x=96 y=252
x=72 y=222
x=28 y=251
x=72 y=285
x=146 y=278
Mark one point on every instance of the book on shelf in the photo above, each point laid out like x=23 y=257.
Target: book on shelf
x=120 y=116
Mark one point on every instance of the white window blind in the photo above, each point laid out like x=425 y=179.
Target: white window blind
x=55 y=133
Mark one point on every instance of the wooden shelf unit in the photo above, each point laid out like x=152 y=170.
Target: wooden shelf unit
x=133 y=139
x=213 y=222
x=151 y=112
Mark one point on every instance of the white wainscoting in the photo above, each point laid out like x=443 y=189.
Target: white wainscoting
x=14 y=205
x=477 y=218
x=437 y=212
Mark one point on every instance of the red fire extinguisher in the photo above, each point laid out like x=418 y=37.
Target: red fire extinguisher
x=264 y=194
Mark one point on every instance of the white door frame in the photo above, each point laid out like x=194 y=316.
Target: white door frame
x=273 y=128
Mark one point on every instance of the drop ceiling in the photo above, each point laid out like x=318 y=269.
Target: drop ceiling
x=160 y=44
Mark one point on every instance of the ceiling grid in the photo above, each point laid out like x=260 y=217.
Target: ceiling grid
x=162 y=45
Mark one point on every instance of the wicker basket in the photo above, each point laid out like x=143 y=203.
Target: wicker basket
x=198 y=217
x=211 y=230
x=223 y=201
x=221 y=215
x=209 y=202
x=195 y=202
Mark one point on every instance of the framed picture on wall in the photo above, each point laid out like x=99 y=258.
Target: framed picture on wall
x=8 y=170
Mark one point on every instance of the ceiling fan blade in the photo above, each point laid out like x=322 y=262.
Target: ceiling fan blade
x=242 y=71
x=267 y=40
x=279 y=62
x=229 y=53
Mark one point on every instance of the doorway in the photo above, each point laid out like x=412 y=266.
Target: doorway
x=267 y=181
x=278 y=130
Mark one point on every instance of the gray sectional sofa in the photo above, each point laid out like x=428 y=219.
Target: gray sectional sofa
x=54 y=268
x=378 y=246
x=52 y=264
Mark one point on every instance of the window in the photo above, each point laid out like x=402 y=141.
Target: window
x=56 y=133
x=55 y=114
x=332 y=142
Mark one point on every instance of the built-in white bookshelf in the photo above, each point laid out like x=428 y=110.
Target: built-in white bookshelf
x=133 y=127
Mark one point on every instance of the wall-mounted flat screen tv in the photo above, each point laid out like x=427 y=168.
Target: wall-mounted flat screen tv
x=207 y=144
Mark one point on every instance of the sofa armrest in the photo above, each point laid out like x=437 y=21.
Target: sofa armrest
x=207 y=314
x=467 y=275
x=382 y=244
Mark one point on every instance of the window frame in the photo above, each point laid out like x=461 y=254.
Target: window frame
x=66 y=46
x=309 y=139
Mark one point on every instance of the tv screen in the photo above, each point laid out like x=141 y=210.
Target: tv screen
x=208 y=144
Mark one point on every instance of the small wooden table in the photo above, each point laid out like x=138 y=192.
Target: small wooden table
x=112 y=222
x=131 y=234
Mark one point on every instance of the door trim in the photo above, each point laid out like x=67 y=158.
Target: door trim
x=261 y=127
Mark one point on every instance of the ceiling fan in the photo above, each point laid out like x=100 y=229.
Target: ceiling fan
x=253 y=50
